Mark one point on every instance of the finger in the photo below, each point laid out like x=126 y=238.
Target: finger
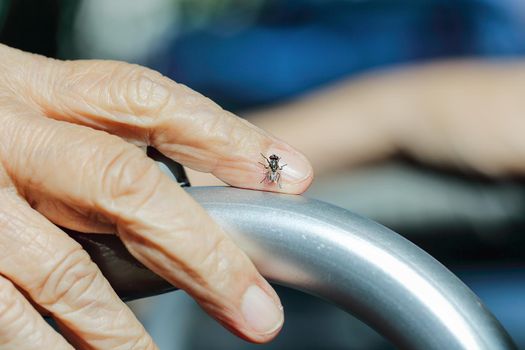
x=60 y=277
x=21 y=327
x=142 y=105
x=159 y=223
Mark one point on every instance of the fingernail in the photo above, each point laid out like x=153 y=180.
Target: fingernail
x=297 y=168
x=260 y=311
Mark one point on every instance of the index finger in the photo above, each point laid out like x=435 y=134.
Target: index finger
x=142 y=105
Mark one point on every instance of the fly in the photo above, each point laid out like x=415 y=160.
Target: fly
x=273 y=169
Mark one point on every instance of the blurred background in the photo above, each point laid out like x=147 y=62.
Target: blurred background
x=411 y=112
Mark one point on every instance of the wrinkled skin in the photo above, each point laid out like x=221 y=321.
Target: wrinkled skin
x=71 y=154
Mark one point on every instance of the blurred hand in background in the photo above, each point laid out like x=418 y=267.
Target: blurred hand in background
x=464 y=115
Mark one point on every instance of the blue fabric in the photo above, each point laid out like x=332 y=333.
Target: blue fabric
x=296 y=46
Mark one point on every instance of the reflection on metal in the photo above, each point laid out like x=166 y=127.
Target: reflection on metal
x=357 y=264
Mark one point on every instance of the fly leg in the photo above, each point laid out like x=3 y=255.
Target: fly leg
x=267 y=160
x=264 y=178
x=267 y=174
x=279 y=175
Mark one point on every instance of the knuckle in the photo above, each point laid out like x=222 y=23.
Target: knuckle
x=146 y=91
x=217 y=264
x=129 y=176
x=70 y=277
x=214 y=259
x=116 y=87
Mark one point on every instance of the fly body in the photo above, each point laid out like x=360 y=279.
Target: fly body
x=273 y=169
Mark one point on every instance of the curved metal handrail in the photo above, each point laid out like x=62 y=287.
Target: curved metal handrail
x=359 y=265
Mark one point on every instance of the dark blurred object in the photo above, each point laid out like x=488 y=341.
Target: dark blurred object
x=174 y=168
x=457 y=218
x=130 y=279
x=32 y=26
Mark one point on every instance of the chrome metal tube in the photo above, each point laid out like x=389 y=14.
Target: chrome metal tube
x=359 y=265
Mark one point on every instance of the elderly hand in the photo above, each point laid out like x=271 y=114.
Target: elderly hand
x=69 y=155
